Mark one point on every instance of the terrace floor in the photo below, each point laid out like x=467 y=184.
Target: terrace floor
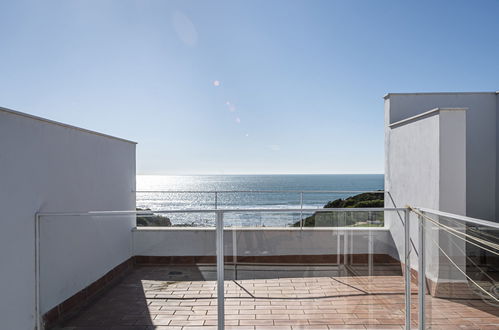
x=184 y=297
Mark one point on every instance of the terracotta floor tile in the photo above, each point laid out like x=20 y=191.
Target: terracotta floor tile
x=148 y=299
x=256 y=322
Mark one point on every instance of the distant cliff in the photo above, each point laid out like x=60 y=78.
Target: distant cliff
x=153 y=220
x=361 y=200
x=334 y=219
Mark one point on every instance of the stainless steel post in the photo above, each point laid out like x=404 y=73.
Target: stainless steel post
x=407 y=260
x=220 y=268
x=234 y=250
x=421 y=274
x=38 y=317
x=301 y=208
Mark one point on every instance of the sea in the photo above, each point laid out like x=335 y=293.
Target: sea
x=159 y=192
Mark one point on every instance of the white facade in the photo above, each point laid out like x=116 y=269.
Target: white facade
x=482 y=189
x=440 y=153
x=52 y=167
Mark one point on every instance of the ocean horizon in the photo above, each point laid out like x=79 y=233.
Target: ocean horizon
x=280 y=191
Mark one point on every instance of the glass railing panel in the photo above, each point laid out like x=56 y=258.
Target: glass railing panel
x=165 y=277
x=343 y=219
x=175 y=220
x=331 y=272
x=262 y=219
x=156 y=200
x=177 y=200
x=462 y=273
x=342 y=199
x=183 y=276
x=259 y=199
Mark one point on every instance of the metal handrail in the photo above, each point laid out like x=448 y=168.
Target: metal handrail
x=284 y=210
x=256 y=191
x=460 y=217
x=234 y=210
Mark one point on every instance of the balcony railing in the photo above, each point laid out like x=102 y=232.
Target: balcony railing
x=443 y=250
x=459 y=256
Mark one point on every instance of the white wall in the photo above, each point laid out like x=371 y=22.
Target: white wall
x=411 y=174
x=481 y=140
x=497 y=159
x=426 y=167
x=262 y=241
x=47 y=166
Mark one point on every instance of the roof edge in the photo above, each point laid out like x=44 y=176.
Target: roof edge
x=53 y=122
x=387 y=95
x=424 y=115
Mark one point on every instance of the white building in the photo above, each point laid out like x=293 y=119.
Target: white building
x=47 y=166
x=454 y=137
x=441 y=153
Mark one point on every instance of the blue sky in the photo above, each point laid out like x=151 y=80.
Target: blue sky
x=224 y=87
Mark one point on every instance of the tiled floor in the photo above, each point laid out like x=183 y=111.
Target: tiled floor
x=184 y=298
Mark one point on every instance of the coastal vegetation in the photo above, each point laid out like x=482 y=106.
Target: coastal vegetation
x=349 y=219
x=157 y=220
x=153 y=220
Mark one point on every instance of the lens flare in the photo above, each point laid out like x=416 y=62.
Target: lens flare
x=230 y=106
x=185 y=29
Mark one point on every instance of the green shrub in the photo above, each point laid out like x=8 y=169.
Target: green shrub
x=152 y=220
x=337 y=219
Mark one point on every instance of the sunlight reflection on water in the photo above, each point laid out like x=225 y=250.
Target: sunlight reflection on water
x=281 y=199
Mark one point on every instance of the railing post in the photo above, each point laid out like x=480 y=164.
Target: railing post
x=407 y=260
x=234 y=251
x=301 y=208
x=216 y=200
x=421 y=274
x=370 y=260
x=345 y=248
x=220 y=268
x=38 y=316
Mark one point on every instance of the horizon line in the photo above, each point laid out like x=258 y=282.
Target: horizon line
x=201 y=174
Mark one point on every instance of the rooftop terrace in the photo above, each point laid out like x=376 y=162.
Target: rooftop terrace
x=179 y=297
x=332 y=276
x=72 y=265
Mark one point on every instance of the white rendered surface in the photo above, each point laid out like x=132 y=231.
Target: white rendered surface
x=481 y=141
x=48 y=166
x=425 y=166
x=157 y=241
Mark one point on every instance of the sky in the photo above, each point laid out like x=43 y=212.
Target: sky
x=241 y=87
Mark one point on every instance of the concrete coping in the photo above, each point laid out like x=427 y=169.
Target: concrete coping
x=424 y=115
x=53 y=122
x=387 y=95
